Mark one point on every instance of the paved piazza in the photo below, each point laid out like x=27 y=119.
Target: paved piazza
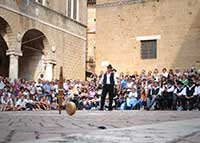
x=100 y=127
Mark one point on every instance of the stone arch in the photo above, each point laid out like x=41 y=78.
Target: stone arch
x=34 y=47
x=5 y=31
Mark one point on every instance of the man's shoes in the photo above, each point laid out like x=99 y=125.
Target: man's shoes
x=110 y=109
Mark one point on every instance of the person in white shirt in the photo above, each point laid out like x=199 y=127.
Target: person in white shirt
x=190 y=95
x=20 y=104
x=39 y=88
x=108 y=80
x=198 y=95
x=6 y=103
x=167 y=93
x=131 y=100
x=164 y=73
x=154 y=96
x=156 y=75
x=2 y=85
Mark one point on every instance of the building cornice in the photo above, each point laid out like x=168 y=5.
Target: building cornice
x=41 y=21
x=61 y=14
x=126 y=2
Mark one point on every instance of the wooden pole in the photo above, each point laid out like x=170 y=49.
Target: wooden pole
x=60 y=90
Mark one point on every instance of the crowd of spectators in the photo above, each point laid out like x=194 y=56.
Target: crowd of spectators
x=152 y=90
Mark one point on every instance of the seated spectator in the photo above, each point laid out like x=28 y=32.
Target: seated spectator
x=131 y=100
x=154 y=98
x=178 y=97
x=26 y=93
x=92 y=93
x=164 y=73
x=7 y=104
x=198 y=94
x=184 y=80
x=84 y=94
x=36 y=103
x=143 y=99
x=156 y=75
x=190 y=95
x=167 y=95
x=20 y=104
x=44 y=104
x=22 y=94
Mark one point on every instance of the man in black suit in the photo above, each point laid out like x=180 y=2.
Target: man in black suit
x=108 y=81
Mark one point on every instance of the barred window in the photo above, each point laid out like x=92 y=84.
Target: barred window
x=149 y=49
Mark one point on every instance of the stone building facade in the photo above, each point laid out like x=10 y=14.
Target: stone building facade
x=39 y=36
x=91 y=36
x=145 y=34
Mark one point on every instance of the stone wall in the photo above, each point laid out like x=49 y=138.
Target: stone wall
x=120 y=23
x=91 y=35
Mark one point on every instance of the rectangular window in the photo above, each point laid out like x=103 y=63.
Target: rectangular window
x=38 y=1
x=69 y=7
x=43 y=2
x=66 y=7
x=149 y=49
x=75 y=9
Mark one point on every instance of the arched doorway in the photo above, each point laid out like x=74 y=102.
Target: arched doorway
x=31 y=64
x=4 y=60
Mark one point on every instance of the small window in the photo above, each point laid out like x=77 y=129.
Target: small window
x=40 y=1
x=148 y=49
x=43 y=2
x=69 y=7
x=75 y=9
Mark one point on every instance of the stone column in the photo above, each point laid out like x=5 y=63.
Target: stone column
x=14 y=64
x=49 y=70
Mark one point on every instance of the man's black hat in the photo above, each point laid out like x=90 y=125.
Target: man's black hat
x=109 y=66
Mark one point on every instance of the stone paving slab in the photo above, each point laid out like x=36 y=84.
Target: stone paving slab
x=166 y=132
x=87 y=126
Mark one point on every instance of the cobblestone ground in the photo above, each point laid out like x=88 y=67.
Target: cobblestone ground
x=100 y=127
